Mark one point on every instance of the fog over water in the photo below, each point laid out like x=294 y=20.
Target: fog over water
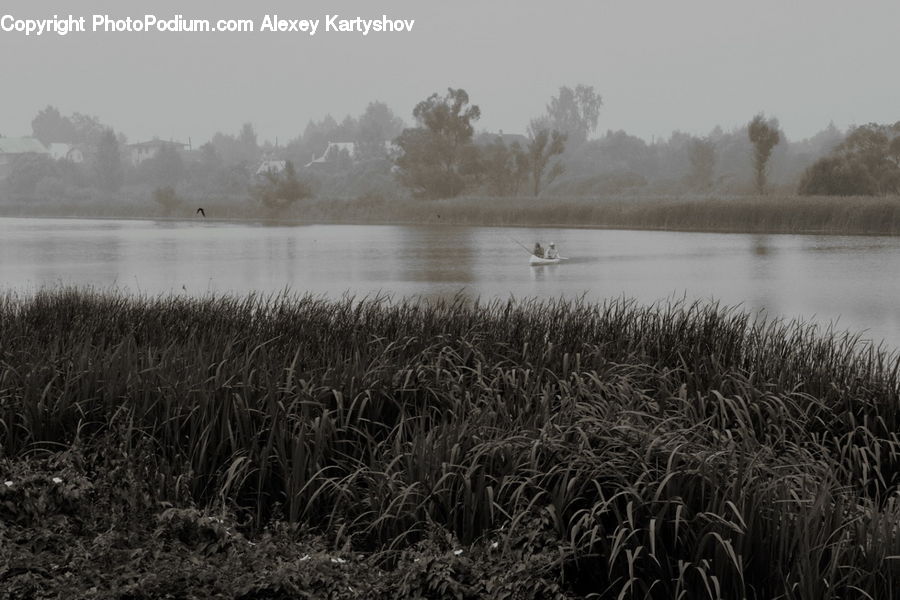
x=839 y=280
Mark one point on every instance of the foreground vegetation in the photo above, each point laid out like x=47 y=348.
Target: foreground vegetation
x=774 y=213
x=292 y=447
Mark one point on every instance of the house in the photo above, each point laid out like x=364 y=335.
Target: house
x=333 y=152
x=141 y=151
x=11 y=148
x=485 y=137
x=70 y=152
x=271 y=166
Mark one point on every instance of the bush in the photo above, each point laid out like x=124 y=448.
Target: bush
x=279 y=190
x=837 y=176
x=167 y=199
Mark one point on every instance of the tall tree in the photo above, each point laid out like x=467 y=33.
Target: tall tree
x=50 y=126
x=702 y=156
x=377 y=125
x=166 y=168
x=88 y=130
x=504 y=167
x=108 y=172
x=573 y=112
x=436 y=157
x=764 y=136
x=237 y=150
x=542 y=147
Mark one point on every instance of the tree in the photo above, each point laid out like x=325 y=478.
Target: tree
x=702 y=155
x=866 y=163
x=50 y=126
x=236 y=150
x=278 y=191
x=544 y=145
x=837 y=176
x=166 y=168
x=436 y=157
x=27 y=170
x=88 y=130
x=377 y=125
x=504 y=167
x=108 y=172
x=574 y=113
x=764 y=136
x=167 y=199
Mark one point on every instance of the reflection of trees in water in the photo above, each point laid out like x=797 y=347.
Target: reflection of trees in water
x=436 y=254
x=761 y=270
x=282 y=250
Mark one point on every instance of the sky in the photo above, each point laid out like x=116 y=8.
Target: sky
x=659 y=65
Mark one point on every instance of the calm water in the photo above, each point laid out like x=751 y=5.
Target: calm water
x=852 y=281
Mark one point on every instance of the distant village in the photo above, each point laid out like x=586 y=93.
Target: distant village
x=135 y=154
x=378 y=155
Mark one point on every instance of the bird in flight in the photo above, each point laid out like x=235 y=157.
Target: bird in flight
x=201 y=212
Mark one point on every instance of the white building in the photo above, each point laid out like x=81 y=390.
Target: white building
x=61 y=151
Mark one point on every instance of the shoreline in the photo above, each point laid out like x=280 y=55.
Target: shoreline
x=764 y=215
x=449 y=223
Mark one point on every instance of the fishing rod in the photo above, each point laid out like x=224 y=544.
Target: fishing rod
x=525 y=248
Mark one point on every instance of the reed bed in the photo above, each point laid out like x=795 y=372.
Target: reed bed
x=774 y=213
x=667 y=451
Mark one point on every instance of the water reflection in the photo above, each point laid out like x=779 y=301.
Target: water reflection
x=848 y=280
x=435 y=253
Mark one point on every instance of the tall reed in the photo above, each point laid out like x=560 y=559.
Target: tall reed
x=669 y=451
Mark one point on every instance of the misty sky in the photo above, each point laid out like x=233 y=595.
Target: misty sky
x=660 y=65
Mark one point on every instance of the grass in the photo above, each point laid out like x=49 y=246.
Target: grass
x=775 y=213
x=612 y=451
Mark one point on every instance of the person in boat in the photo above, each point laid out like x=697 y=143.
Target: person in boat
x=552 y=252
x=538 y=250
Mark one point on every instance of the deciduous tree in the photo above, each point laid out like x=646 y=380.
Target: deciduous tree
x=542 y=147
x=504 y=167
x=108 y=172
x=435 y=158
x=50 y=126
x=377 y=125
x=764 y=136
x=278 y=191
x=702 y=156
x=866 y=163
x=573 y=112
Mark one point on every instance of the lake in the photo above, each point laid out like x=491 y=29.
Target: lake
x=851 y=281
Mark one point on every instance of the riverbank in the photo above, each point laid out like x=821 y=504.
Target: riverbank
x=740 y=214
x=371 y=449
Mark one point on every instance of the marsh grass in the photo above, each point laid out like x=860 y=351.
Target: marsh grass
x=774 y=213
x=670 y=451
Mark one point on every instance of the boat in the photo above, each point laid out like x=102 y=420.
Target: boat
x=536 y=261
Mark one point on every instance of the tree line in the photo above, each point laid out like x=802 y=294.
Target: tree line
x=441 y=154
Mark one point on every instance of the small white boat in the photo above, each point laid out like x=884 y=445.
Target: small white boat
x=535 y=261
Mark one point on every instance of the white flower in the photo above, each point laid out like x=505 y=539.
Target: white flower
x=57 y=480
x=495 y=545
x=457 y=552
x=7 y=483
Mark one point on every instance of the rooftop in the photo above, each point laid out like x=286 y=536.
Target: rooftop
x=21 y=146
